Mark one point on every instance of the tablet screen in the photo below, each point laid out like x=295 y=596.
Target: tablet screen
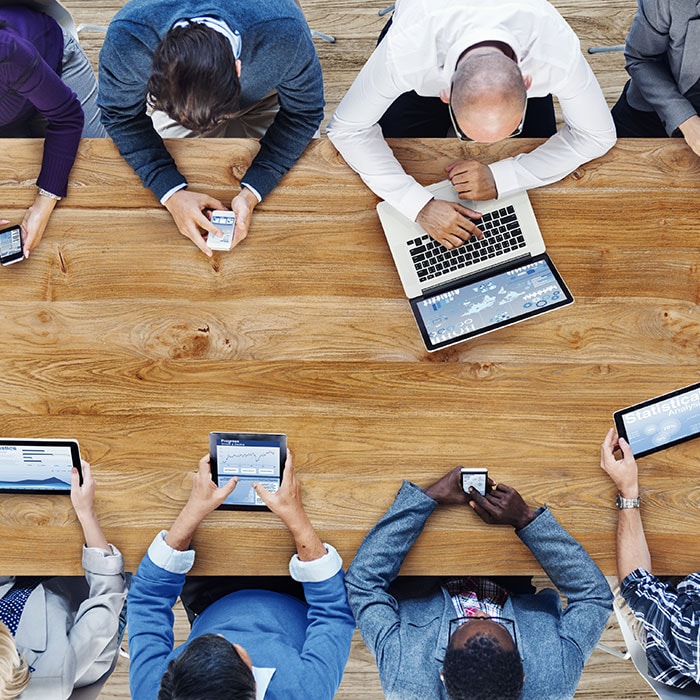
x=36 y=466
x=250 y=457
x=660 y=422
x=478 y=306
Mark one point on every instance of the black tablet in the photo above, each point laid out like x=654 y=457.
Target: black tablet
x=658 y=423
x=251 y=457
x=37 y=466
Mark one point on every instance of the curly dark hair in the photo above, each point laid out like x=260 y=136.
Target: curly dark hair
x=193 y=77
x=209 y=668
x=482 y=670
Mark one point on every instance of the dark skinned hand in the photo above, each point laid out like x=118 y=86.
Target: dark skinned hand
x=502 y=506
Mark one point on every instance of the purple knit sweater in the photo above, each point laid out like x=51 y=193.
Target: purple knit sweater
x=31 y=53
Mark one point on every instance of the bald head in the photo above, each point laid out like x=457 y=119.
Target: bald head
x=488 y=95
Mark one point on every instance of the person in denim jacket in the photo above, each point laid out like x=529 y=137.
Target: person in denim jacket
x=476 y=637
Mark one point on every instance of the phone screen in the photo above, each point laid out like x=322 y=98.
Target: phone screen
x=225 y=222
x=476 y=479
x=11 y=245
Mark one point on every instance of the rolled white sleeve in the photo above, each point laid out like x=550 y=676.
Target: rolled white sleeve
x=588 y=133
x=427 y=39
x=317 y=570
x=355 y=132
x=172 y=560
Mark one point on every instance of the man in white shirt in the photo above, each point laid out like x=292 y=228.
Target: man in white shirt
x=484 y=61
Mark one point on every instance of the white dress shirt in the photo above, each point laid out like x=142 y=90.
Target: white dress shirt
x=420 y=53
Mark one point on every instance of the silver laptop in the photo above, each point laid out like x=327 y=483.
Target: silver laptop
x=482 y=285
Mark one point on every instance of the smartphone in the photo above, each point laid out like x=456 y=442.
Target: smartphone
x=225 y=222
x=11 y=245
x=478 y=477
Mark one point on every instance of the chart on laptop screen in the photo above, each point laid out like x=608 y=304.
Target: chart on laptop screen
x=496 y=300
x=31 y=467
x=250 y=461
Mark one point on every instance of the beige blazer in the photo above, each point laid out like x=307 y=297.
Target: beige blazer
x=68 y=632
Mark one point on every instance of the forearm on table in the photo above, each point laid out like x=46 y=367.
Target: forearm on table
x=92 y=531
x=632 y=549
x=141 y=146
x=383 y=550
x=308 y=543
x=182 y=530
x=589 y=133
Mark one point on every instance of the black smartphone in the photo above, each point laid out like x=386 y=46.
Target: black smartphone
x=478 y=477
x=11 y=245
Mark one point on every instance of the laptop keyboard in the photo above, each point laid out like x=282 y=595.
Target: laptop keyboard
x=502 y=234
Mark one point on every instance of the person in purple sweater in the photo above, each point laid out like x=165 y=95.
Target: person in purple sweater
x=47 y=90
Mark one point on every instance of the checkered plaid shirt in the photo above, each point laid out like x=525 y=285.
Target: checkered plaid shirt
x=671 y=617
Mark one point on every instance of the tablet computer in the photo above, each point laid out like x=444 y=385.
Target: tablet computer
x=37 y=466
x=660 y=422
x=251 y=457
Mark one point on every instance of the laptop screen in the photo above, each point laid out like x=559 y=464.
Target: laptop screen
x=472 y=307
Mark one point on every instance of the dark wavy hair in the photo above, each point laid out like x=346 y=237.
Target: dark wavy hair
x=482 y=670
x=209 y=668
x=193 y=77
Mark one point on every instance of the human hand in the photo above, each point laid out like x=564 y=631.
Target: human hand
x=622 y=471
x=503 y=505
x=472 y=180
x=187 y=209
x=206 y=496
x=286 y=502
x=690 y=129
x=449 y=223
x=82 y=496
x=35 y=221
x=242 y=205
x=287 y=505
x=447 y=490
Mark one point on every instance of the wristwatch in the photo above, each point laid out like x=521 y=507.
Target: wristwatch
x=624 y=503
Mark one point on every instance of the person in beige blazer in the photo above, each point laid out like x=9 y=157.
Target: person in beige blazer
x=68 y=631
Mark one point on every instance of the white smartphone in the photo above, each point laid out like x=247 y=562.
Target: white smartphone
x=225 y=221
x=478 y=477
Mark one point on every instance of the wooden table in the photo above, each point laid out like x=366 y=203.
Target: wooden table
x=120 y=333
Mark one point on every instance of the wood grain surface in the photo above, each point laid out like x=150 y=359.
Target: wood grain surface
x=118 y=332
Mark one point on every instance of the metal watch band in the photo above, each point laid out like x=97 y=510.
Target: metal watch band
x=624 y=503
x=50 y=195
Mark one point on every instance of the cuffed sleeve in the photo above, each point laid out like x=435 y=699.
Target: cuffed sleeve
x=165 y=557
x=318 y=569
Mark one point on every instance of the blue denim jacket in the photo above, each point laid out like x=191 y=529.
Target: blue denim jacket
x=277 y=53
x=408 y=635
